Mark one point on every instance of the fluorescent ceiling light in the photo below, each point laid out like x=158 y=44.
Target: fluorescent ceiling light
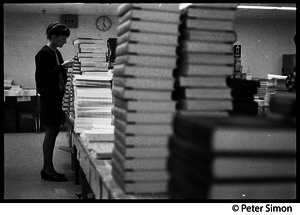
x=266 y=7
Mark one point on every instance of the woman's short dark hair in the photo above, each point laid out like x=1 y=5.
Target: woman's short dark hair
x=57 y=29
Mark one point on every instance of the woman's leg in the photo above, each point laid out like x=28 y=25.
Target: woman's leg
x=48 y=147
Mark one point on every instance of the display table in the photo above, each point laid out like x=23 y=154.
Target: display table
x=98 y=173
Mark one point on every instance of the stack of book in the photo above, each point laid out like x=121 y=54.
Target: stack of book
x=99 y=140
x=262 y=90
x=92 y=101
x=270 y=91
x=7 y=84
x=232 y=158
x=142 y=88
x=91 y=53
x=68 y=95
x=243 y=92
x=76 y=67
x=205 y=59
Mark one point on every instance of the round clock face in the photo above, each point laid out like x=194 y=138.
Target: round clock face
x=103 y=23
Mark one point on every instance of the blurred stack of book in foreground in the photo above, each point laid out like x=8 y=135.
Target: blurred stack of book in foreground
x=232 y=158
x=142 y=89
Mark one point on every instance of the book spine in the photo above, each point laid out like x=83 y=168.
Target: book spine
x=209 y=24
x=205 y=70
x=147 y=15
x=211 y=13
x=191 y=46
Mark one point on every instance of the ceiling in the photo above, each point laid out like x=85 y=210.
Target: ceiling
x=111 y=9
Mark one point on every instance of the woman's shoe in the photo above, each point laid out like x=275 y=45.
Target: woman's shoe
x=60 y=174
x=52 y=177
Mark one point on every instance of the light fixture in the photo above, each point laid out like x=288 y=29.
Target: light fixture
x=265 y=7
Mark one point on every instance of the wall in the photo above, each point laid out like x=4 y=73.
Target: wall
x=25 y=34
x=263 y=43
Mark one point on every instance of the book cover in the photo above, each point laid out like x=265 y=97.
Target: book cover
x=214 y=166
x=145 y=72
x=207 y=24
x=151 y=175
x=149 y=95
x=183 y=185
x=265 y=190
x=209 y=59
x=148 y=38
x=140 y=187
x=101 y=150
x=208 y=36
x=203 y=81
x=94 y=69
x=98 y=135
x=92 y=49
x=144 y=26
x=147 y=60
x=101 y=59
x=203 y=70
x=147 y=49
x=90 y=55
x=205 y=113
x=94 y=64
x=205 y=47
x=134 y=140
x=209 y=12
x=144 y=83
x=240 y=134
x=146 y=106
x=205 y=104
x=138 y=163
x=141 y=151
x=150 y=15
x=88 y=41
x=123 y=8
x=143 y=117
x=143 y=129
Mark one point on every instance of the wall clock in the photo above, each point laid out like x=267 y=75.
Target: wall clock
x=103 y=23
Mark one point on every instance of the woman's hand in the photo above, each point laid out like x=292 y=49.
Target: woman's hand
x=69 y=63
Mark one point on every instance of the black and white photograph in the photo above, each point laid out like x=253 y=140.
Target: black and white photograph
x=151 y=102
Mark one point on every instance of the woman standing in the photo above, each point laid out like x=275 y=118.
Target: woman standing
x=50 y=78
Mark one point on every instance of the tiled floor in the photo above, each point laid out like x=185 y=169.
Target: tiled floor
x=23 y=161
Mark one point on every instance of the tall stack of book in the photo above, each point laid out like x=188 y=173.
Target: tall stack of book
x=142 y=89
x=91 y=84
x=91 y=53
x=232 y=158
x=205 y=59
x=92 y=101
x=243 y=92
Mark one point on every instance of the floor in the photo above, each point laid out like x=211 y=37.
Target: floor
x=22 y=164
